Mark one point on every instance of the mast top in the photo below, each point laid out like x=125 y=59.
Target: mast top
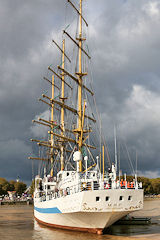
x=80 y=13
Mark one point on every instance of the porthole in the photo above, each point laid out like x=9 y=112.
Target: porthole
x=97 y=199
x=121 y=198
x=107 y=199
x=129 y=198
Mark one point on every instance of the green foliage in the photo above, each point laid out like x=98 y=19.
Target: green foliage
x=156 y=185
x=20 y=187
x=1 y=190
x=32 y=187
x=147 y=185
x=6 y=186
x=2 y=181
x=150 y=186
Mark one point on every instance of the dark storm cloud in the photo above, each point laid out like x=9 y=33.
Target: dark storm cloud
x=124 y=41
x=25 y=36
x=127 y=67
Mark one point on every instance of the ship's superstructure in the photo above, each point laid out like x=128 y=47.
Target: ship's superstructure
x=76 y=192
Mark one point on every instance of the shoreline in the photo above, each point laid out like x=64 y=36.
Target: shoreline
x=4 y=203
x=30 y=202
x=151 y=198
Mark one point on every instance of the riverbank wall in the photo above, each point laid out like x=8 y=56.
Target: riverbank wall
x=30 y=202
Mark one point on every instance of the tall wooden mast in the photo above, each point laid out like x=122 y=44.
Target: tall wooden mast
x=62 y=107
x=79 y=131
x=80 y=83
x=52 y=126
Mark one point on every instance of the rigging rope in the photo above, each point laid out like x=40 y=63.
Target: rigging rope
x=98 y=115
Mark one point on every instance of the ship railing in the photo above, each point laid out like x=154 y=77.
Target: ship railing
x=85 y=186
x=128 y=185
x=88 y=186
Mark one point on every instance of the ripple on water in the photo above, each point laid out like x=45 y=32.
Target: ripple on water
x=17 y=223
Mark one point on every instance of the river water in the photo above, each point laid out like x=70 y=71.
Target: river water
x=17 y=223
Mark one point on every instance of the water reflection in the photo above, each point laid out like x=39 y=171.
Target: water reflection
x=152 y=210
x=42 y=233
x=17 y=223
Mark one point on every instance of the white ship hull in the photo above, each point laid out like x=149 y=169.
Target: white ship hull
x=81 y=211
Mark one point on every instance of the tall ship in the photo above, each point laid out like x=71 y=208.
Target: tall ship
x=75 y=190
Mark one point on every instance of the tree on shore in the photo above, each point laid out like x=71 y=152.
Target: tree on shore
x=4 y=186
x=20 y=187
x=150 y=186
x=156 y=185
x=32 y=187
x=147 y=185
x=12 y=185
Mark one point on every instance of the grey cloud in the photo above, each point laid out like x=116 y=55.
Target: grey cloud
x=124 y=44
x=128 y=55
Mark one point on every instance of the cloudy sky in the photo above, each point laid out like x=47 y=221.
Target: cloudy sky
x=124 y=42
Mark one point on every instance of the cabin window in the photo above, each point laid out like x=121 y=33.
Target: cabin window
x=67 y=173
x=107 y=198
x=129 y=198
x=121 y=198
x=97 y=199
x=48 y=186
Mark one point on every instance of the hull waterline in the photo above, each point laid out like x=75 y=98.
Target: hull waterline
x=87 y=215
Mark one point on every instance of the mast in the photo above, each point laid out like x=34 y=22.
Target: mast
x=80 y=84
x=79 y=132
x=52 y=126
x=103 y=160
x=62 y=107
x=100 y=144
x=115 y=146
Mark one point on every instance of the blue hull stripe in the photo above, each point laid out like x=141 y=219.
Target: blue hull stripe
x=47 y=210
